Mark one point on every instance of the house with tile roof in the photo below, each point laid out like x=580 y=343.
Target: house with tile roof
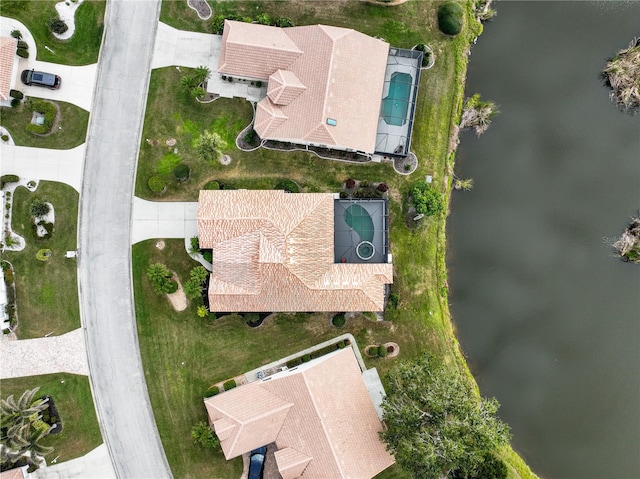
x=320 y=416
x=326 y=86
x=8 y=67
x=292 y=252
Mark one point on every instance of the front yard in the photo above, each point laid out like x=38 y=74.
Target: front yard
x=72 y=396
x=47 y=291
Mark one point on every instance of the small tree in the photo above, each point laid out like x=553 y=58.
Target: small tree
x=426 y=199
x=199 y=274
x=56 y=25
x=204 y=436
x=182 y=172
x=160 y=277
x=450 y=17
x=208 y=146
x=202 y=74
x=477 y=114
x=17 y=34
x=192 y=288
x=39 y=208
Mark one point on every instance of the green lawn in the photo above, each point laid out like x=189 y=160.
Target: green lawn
x=47 y=292
x=72 y=396
x=70 y=131
x=220 y=349
x=81 y=49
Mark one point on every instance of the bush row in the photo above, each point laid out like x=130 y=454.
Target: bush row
x=305 y=358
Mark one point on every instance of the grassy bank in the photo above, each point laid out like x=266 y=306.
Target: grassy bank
x=219 y=349
x=81 y=49
x=72 y=396
x=70 y=131
x=46 y=292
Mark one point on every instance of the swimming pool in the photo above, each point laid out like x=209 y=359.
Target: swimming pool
x=360 y=220
x=396 y=104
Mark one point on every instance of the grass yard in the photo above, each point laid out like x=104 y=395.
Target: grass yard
x=47 y=292
x=70 y=131
x=80 y=431
x=81 y=49
x=216 y=350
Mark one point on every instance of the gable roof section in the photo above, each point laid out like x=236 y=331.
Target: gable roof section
x=7 y=57
x=273 y=251
x=246 y=418
x=342 y=71
x=331 y=428
x=255 y=51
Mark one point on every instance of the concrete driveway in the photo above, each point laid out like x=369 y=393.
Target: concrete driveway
x=95 y=464
x=160 y=219
x=64 y=166
x=78 y=82
x=175 y=47
x=32 y=357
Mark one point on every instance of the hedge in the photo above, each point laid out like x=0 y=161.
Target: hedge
x=16 y=94
x=338 y=320
x=44 y=108
x=212 y=185
x=156 y=184
x=23 y=44
x=230 y=384
x=211 y=391
x=450 y=18
x=382 y=351
x=22 y=52
x=288 y=185
x=4 y=179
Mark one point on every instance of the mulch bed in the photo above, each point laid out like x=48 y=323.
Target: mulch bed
x=201 y=7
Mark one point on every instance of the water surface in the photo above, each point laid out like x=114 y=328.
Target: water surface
x=549 y=319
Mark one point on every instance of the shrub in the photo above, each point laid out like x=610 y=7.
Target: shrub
x=230 y=384
x=56 y=25
x=182 y=172
x=199 y=274
x=263 y=19
x=382 y=187
x=287 y=185
x=16 y=94
x=4 y=179
x=211 y=391
x=167 y=163
x=450 y=18
x=15 y=102
x=207 y=255
x=22 y=52
x=49 y=111
x=350 y=183
x=426 y=199
x=43 y=255
x=202 y=311
x=393 y=300
x=204 y=436
x=338 y=320
x=170 y=287
x=382 y=351
x=195 y=245
x=17 y=34
x=292 y=363
x=23 y=44
x=251 y=317
x=341 y=345
x=39 y=208
x=282 y=22
x=212 y=185
x=343 y=195
x=156 y=184
x=192 y=289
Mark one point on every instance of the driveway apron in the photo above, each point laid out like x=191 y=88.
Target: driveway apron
x=104 y=265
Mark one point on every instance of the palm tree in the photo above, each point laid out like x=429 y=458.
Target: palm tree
x=463 y=184
x=199 y=274
x=208 y=146
x=477 y=114
x=16 y=413
x=621 y=74
x=189 y=82
x=201 y=74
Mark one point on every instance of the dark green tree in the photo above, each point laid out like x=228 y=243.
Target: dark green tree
x=426 y=199
x=192 y=289
x=199 y=274
x=204 y=436
x=39 y=208
x=436 y=423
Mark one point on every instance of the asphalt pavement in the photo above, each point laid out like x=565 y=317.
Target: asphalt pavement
x=104 y=263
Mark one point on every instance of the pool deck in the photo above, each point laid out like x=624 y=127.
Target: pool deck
x=346 y=239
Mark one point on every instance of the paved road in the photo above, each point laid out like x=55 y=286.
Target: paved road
x=117 y=378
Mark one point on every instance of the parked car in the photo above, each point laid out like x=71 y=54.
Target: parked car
x=47 y=80
x=256 y=462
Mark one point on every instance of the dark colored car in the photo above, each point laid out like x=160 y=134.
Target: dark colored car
x=47 y=80
x=256 y=462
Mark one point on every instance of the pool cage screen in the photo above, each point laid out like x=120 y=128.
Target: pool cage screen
x=399 y=97
x=361 y=231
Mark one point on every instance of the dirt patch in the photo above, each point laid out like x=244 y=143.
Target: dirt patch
x=178 y=299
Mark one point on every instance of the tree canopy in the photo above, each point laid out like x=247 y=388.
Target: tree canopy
x=437 y=426
x=426 y=199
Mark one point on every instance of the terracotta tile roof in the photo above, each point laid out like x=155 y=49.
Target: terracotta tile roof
x=331 y=429
x=16 y=473
x=7 y=57
x=273 y=251
x=342 y=72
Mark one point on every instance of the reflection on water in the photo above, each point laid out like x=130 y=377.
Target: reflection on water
x=549 y=319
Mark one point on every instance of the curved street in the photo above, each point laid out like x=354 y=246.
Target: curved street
x=104 y=240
